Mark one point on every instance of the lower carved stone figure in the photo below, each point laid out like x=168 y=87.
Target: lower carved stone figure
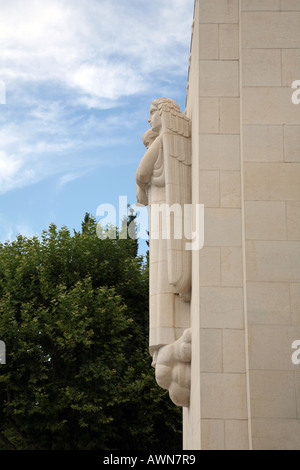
x=173 y=369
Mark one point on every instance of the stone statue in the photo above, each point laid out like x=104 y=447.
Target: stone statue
x=164 y=183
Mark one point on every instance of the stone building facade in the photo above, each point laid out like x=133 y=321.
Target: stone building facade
x=245 y=303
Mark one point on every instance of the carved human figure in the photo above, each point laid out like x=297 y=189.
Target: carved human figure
x=164 y=183
x=141 y=195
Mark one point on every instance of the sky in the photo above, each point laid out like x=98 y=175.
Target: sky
x=77 y=78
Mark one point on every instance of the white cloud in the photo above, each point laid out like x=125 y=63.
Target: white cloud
x=68 y=178
x=51 y=142
x=9 y=168
x=9 y=229
x=68 y=65
x=105 y=81
x=24 y=228
x=102 y=48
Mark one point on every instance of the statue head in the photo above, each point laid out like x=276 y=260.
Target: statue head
x=165 y=115
x=157 y=110
x=155 y=119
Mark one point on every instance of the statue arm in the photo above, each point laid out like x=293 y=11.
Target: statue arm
x=141 y=197
x=145 y=168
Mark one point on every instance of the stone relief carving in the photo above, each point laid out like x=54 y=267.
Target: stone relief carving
x=164 y=183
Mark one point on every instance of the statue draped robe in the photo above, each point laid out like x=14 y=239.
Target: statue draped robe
x=164 y=182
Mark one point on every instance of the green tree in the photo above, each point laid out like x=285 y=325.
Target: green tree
x=74 y=318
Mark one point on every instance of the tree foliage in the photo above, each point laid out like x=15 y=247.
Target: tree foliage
x=74 y=318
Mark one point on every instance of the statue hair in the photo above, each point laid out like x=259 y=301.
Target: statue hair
x=173 y=120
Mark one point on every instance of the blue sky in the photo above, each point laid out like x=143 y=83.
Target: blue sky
x=79 y=79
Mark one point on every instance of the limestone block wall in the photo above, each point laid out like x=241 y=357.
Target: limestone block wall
x=245 y=304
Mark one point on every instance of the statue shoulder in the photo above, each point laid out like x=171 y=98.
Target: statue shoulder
x=146 y=166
